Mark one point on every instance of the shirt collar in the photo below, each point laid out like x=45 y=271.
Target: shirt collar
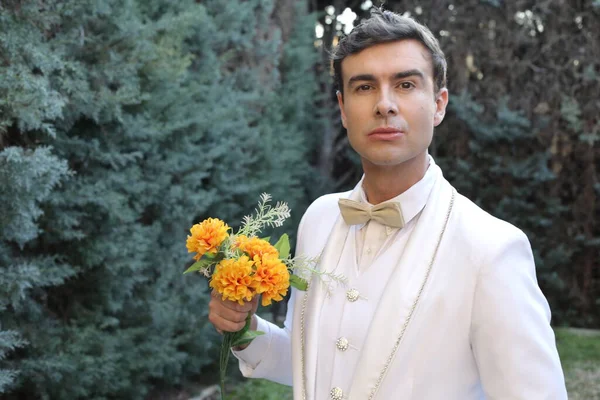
x=413 y=200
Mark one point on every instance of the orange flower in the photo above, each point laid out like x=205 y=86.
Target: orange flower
x=232 y=279
x=255 y=246
x=271 y=279
x=206 y=237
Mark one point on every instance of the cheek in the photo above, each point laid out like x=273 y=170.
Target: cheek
x=428 y=110
x=422 y=105
x=424 y=114
x=355 y=115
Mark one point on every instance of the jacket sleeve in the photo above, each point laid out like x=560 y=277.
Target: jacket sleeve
x=269 y=356
x=511 y=337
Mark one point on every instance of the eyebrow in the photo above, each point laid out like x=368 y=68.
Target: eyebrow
x=398 y=75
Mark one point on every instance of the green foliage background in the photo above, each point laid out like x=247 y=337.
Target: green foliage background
x=122 y=123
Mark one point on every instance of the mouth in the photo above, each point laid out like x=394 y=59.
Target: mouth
x=386 y=133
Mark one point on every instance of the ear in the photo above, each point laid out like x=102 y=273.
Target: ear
x=340 y=98
x=441 y=101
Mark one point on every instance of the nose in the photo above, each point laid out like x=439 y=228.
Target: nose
x=386 y=106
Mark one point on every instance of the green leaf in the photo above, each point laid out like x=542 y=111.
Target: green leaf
x=198 y=265
x=283 y=246
x=247 y=337
x=298 y=283
x=266 y=238
x=214 y=257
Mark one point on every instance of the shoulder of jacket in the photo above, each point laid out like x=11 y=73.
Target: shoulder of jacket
x=323 y=210
x=482 y=228
x=325 y=204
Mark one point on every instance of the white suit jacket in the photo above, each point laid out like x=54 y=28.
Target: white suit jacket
x=471 y=325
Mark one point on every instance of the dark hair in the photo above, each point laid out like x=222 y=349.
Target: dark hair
x=385 y=26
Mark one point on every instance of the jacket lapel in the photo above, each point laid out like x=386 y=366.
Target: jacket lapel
x=309 y=309
x=402 y=292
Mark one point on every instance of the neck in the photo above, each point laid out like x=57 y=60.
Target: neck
x=383 y=183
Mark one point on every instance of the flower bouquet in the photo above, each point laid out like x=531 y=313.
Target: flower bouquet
x=241 y=266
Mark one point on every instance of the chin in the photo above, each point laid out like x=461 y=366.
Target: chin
x=385 y=162
x=391 y=161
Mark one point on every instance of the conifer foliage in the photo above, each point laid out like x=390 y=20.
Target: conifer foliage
x=123 y=122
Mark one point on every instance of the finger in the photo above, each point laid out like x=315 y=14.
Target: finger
x=226 y=313
x=235 y=306
x=254 y=304
x=217 y=307
x=224 y=325
x=232 y=305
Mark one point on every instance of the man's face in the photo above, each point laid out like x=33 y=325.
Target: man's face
x=389 y=106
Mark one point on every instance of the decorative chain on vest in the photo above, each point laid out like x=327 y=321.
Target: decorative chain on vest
x=399 y=340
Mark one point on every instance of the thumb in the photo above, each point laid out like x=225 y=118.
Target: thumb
x=254 y=303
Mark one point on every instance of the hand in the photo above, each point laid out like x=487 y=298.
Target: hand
x=230 y=316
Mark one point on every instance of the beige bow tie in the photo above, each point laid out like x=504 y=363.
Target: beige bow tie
x=355 y=213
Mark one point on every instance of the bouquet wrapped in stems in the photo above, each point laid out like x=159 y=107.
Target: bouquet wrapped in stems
x=241 y=266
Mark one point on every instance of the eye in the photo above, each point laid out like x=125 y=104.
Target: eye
x=406 y=85
x=363 y=88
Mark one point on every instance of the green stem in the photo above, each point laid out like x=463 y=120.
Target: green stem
x=228 y=339
x=224 y=360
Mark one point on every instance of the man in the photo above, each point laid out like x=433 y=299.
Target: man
x=441 y=300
